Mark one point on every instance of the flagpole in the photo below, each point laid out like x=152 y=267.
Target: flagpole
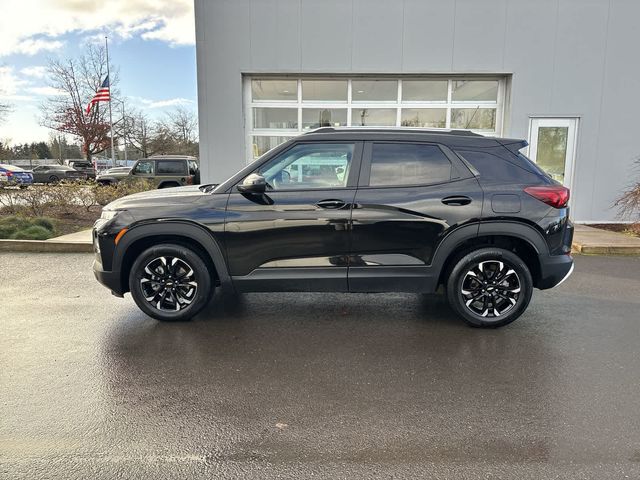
x=113 y=158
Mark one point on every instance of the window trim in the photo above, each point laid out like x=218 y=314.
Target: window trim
x=365 y=174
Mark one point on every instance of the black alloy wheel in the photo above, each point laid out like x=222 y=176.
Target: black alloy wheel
x=490 y=287
x=170 y=282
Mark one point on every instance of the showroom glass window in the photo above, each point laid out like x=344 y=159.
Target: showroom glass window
x=277 y=109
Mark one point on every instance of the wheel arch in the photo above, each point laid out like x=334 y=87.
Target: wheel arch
x=520 y=238
x=189 y=234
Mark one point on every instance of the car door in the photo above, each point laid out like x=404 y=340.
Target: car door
x=40 y=174
x=295 y=236
x=410 y=195
x=143 y=169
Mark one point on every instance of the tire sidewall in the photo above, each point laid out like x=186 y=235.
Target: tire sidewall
x=201 y=272
x=454 y=286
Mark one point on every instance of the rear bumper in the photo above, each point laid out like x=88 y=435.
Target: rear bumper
x=554 y=270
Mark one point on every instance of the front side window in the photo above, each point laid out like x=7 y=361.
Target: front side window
x=171 y=167
x=310 y=166
x=408 y=164
x=143 y=168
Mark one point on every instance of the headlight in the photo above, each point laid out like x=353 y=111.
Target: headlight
x=109 y=214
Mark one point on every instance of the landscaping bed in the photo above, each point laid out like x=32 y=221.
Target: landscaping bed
x=45 y=211
x=627 y=228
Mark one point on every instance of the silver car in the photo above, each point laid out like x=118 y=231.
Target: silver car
x=56 y=173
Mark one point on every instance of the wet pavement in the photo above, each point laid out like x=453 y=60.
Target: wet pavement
x=316 y=385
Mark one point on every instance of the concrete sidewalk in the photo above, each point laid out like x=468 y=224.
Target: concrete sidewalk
x=595 y=241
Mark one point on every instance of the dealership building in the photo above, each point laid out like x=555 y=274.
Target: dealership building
x=562 y=74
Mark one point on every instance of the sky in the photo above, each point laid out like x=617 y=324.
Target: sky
x=151 y=43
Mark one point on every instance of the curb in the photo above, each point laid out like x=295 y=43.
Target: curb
x=45 y=246
x=600 y=249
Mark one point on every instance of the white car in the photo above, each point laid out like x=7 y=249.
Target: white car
x=3 y=178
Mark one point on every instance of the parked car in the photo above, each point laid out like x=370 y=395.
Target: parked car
x=84 y=167
x=4 y=179
x=16 y=175
x=164 y=171
x=354 y=210
x=56 y=173
x=113 y=175
x=115 y=170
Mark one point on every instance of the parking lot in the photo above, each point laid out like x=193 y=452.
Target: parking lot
x=316 y=385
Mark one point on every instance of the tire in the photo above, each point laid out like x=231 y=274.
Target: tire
x=53 y=179
x=489 y=287
x=159 y=286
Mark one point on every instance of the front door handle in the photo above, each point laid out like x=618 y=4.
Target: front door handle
x=331 y=204
x=456 y=200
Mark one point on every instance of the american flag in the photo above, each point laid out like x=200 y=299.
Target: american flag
x=102 y=95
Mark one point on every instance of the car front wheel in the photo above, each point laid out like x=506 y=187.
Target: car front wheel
x=170 y=282
x=489 y=287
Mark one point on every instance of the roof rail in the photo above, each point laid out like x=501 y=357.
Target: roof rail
x=434 y=131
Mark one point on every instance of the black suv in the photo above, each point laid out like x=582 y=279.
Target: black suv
x=352 y=210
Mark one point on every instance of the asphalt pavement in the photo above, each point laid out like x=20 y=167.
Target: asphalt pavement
x=332 y=386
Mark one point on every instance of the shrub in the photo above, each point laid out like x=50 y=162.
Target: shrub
x=34 y=232
x=629 y=203
x=22 y=228
x=44 y=223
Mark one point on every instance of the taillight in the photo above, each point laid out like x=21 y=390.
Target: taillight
x=555 y=195
x=9 y=174
x=189 y=180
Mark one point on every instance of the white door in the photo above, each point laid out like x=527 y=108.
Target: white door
x=552 y=145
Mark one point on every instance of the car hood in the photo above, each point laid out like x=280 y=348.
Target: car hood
x=161 y=197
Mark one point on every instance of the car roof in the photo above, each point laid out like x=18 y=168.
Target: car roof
x=456 y=138
x=11 y=167
x=170 y=157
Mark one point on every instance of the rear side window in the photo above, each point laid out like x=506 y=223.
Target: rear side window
x=171 y=167
x=193 y=167
x=496 y=169
x=408 y=164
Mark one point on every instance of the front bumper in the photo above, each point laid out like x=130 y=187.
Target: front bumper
x=111 y=280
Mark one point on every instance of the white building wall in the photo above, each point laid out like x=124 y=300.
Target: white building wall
x=566 y=58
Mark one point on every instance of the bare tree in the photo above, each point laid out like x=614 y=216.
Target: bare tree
x=179 y=127
x=139 y=133
x=78 y=80
x=5 y=109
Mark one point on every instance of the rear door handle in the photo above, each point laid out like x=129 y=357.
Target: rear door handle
x=331 y=204
x=456 y=200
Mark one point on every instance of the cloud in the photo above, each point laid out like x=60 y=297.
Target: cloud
x=31 y=46
x=23 y=32
x=45 y=91
x=11 y=86
x=170 y=102
x=36 y=71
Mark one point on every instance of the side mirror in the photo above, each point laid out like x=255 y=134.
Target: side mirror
x=254 y=183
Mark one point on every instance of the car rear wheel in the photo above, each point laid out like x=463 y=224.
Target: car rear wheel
x=170 y=282
x=489 y=287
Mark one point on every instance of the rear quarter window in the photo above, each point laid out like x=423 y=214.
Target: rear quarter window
x=408 y=164
x=495 y=169
x=171 y=167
